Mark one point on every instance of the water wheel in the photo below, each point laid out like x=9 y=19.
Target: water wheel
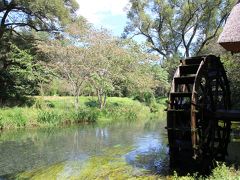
x=199 y=89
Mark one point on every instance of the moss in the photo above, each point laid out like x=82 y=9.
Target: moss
x=109 y=165
x=51 y=172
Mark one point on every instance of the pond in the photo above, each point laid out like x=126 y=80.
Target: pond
x=66 y=152
x=91 y=151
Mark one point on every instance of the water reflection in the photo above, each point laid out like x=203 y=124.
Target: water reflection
x=234 y=146
x=25 y=150
x=151 y=154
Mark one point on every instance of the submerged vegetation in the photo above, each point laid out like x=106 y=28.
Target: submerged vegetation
x=111 y=164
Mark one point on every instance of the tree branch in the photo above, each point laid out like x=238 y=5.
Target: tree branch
x=213 y=35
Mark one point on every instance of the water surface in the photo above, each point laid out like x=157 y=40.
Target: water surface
x=69 y=151
x=144 y=144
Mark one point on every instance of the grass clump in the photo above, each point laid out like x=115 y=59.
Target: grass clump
x=221 y=172
x=224 y=172
x=52 y=117
x=12 y=117
x=87 y=114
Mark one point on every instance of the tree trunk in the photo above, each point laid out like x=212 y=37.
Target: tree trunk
x=187 y=52
x=1 y=33
x=100 y=98
x=76 y=102
x=105 y=100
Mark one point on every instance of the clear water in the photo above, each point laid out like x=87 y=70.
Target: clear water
x=146 y=144
x=26 y=150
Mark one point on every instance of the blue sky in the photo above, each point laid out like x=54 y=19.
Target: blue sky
x=110 y=14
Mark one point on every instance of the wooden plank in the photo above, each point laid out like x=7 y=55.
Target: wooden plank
x=193 y=60
x=184 y=80
x=229 y=115
x=188 y=69
x=180 y=94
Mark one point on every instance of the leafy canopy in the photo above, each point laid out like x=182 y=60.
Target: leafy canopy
x=177 y=26
x=40 y=15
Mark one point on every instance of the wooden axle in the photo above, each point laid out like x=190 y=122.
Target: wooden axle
x=227 y=115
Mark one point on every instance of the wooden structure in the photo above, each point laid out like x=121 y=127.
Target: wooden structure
x=199 y=112
x=230 y=37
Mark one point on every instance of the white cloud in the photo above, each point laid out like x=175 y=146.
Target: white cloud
x=96 y=10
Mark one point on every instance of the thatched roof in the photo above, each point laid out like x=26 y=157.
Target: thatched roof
x=230 y=37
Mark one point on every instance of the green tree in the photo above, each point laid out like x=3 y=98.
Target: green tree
x=40 y=15
x=177 y=26
x=69 y=56
x=19 y=72
x=161 y=76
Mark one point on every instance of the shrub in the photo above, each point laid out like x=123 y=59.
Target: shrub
x=41 y=103
x=87 y=115
x=1 y=122
x=51 y=117
x=146 y=97
x=19 y=119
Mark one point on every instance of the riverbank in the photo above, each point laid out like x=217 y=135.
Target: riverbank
x=50 y=111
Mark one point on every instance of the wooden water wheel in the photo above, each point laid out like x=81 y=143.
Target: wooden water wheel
x=200 y=88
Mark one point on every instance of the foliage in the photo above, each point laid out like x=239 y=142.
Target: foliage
x=19 y=72
x=172 y=27
x=58 y=111
x=224 y=172
x=20 y=15
x=232 y=66
x=13 y=118
x=99 y=64
x=161 y=75
x=48 y=117
x=87 y=115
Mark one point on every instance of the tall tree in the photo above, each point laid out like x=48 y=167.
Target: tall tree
x=19 y=71
x=175 y=26
x=40 y=15
x=69 y=55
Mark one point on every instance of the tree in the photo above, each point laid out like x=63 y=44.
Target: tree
x=40 y=15
x=19 y=71
x=119 y=62
x=69 y=55
x=175 y=26
x=70 y=62
x=161 y=76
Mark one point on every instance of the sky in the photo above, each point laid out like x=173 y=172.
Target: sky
x=108 y=14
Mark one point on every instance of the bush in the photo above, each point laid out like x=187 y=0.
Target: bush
x=12 y=118
x=146 y=97
x=224 y=172
x=19 y=119
x=1 y=122
x=87 y=115
x=51 y=117
x=41 y=103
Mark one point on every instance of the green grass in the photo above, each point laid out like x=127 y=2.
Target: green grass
x=56 y=111
x=221 y=172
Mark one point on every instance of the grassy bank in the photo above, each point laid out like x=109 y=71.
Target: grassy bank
x=57 y=111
